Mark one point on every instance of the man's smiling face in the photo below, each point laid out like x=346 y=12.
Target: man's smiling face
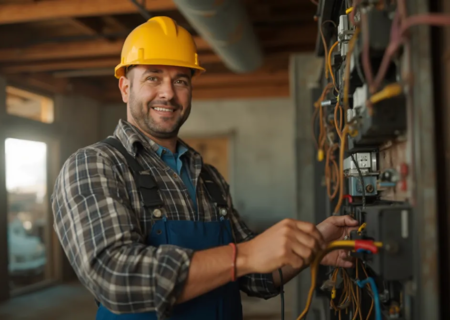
x=159 y=98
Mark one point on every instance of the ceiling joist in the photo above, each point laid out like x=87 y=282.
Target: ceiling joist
x=75 y=64
x=212 y=93
x=72 y=50
x=72 y=46
x=48 y=9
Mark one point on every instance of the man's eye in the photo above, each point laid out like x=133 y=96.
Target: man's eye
x=182 y=82
x=152 y=79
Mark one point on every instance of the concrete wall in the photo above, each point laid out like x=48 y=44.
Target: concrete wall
x=80 y=122
x=78 y=118
x=262 y=149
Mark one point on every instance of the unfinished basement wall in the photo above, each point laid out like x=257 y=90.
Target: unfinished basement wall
x=78 y=121
x=261 y=151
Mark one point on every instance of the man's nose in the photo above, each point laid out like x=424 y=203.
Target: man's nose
x=166 y=91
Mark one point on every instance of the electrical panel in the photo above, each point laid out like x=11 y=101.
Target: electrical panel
x=360 y=126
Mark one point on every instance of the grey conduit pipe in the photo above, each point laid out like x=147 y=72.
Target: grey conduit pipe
x=224 y=24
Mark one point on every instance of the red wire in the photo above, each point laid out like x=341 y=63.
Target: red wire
x=349 y=197
x=366 y=245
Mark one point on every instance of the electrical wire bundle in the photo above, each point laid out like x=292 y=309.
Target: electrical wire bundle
x=327 y=147
x=350 y=293
x=365 y=245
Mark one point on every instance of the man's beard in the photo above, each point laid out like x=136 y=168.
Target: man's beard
x=142 y=117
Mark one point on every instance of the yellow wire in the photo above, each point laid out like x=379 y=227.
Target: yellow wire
x=390 y=91
x=335 y=245
x=362 y=227
x=338 y=126
x=329 y=64
x=368 y=286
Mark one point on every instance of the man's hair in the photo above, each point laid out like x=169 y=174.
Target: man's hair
x=128 y=69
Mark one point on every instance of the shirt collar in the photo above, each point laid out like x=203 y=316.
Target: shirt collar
x=132 y=138
x=181 y=150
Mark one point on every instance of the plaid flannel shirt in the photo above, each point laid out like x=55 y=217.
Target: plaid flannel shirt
x=102 y=226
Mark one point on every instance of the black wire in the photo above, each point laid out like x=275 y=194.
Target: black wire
x=362 y=182
x=281 y=293
x=358 y=63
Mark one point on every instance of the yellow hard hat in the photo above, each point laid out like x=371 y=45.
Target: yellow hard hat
x=159 y=41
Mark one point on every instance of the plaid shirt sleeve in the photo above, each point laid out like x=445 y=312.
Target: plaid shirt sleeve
x=101 y=237
x=255 y=284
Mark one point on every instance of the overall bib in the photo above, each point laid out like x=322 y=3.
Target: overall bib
x=223 y=303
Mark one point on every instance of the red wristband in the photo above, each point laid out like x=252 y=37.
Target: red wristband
x=233 y=266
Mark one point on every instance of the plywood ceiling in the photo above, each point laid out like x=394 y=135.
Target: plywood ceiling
x=72 y=46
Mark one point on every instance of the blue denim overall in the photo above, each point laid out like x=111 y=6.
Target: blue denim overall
x=223 y=303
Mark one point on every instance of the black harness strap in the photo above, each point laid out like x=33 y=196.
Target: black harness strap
x=214 y=191
x=144 y=180
x=148 y=187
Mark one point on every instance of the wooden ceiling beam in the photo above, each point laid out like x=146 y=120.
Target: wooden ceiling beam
x=116 y=23
x=229 y=79
x=250 y=91
x=47 y=9
x=60 y=65
x=85 y=26
x=232 y=79
x=100 y=47
x=70 y=50
x=223 y=93
x=93 y=63
x=42 y=82
x=241 y=92
x=50 y=85
x=301 y=35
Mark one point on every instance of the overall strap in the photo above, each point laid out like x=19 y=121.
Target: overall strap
x=144 y=180
x=213 y=189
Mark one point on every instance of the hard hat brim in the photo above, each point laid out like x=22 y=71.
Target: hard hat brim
x=120 y=68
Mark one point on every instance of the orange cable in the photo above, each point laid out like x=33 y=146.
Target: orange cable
x=329 y=64
x=331 y=173
x=368 y=286
x=335 y=245
x=341 y=169
x=336 y=124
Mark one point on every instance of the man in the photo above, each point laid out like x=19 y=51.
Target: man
x=148 y=228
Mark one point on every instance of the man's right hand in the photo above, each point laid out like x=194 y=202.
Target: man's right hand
x=289 y=242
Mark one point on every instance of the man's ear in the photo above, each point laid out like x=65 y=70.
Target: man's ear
x=125 y=87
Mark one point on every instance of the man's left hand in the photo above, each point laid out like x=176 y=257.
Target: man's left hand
x=336 y=228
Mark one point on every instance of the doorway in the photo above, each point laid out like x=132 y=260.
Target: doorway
x=214 y=151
